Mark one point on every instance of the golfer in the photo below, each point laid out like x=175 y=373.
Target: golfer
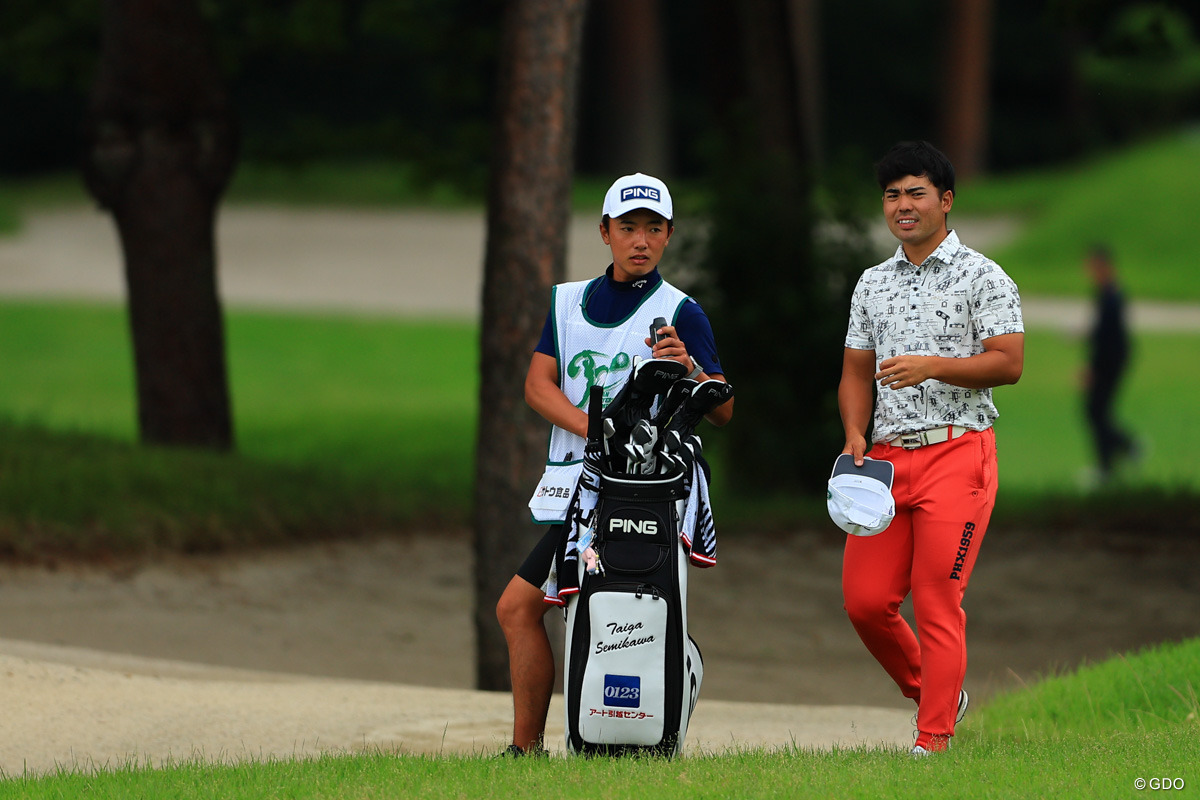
x=932 y=329
x=592 y=332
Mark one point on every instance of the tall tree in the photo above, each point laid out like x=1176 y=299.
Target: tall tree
x=160 y=143
x=633 y=57
x=966 y=99
x=770 y=279
x=528 y=212
x=804 y=22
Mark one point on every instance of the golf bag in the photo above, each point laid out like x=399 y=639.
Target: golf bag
x=632 y=673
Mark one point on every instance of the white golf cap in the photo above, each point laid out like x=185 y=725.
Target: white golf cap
x=859 y=499
x=635 y=191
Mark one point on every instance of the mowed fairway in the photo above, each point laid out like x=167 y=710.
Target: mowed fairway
x=1042 y=431
x=396 y=400
x=365 y=396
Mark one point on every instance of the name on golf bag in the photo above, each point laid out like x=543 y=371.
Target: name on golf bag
x=630 y=639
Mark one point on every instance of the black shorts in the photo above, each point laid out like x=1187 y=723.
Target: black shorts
x=537 y=563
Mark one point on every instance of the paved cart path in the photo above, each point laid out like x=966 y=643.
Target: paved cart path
x=409 y=262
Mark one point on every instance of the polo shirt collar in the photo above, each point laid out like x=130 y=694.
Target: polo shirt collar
x=651 y=279
x=944 y=252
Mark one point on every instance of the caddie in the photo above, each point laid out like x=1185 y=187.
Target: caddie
x=593 y=331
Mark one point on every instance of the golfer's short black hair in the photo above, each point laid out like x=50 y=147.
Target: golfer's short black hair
x=916 y=158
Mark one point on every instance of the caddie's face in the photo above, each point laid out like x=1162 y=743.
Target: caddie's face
x=637 y=241
x=916 y=214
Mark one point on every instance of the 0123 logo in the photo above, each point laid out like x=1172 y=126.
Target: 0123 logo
x=623 y=691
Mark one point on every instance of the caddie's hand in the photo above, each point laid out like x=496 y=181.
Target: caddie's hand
x=857 y=447
x=901 y=372
x=669 y=346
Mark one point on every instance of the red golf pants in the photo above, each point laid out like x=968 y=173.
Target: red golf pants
x=944 y=498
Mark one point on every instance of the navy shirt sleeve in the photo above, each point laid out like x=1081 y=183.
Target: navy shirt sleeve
x=696 y=333
x=547 y=344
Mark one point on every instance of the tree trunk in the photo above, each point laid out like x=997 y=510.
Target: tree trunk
x=804 y=23
x=635 y=88
x=160 y=148
x=786 y=431
x=966 y=101
x=528 y=214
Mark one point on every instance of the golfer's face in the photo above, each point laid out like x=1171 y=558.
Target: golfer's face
x=637 y=241
x=915 y=211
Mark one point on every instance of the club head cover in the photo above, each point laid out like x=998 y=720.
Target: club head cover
x=703 y=399
x=678 y=392
x=709 y=395
x=647 y=381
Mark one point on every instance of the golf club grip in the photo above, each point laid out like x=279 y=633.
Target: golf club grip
x=659 y=322
x=595 y=429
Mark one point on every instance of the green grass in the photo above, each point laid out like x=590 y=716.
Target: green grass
x=86 y=494
x=1140 y=200
x=1069 y=768
x=10 y=220
x=18 y=196
x=365 y=396
x=344 y=421
x=375 y=416
x=1042 y=435
x=1155 y=689
x=375 y=396
x=1089 y=734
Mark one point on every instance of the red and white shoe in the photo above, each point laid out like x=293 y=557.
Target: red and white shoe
x=930 y=743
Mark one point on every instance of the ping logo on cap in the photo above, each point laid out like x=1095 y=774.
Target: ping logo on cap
x=640 y=193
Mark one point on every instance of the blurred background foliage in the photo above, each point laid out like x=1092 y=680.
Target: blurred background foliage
x=391 y=102
x=411 y=80
x=1144 y=69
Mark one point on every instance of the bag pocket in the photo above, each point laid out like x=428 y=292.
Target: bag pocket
x=622 y=697
x=635 y=537
x=554 y=491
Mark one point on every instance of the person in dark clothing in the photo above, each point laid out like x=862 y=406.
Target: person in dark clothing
x=1108 y=357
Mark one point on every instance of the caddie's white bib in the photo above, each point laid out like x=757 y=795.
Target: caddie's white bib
x=591 y=354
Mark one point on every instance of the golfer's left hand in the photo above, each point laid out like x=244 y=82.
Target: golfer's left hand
x=901 y=372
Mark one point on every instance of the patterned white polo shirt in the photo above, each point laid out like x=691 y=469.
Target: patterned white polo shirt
x=946 y=307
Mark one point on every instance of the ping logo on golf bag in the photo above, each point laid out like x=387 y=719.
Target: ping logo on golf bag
x=623 y=690
x=648 y=527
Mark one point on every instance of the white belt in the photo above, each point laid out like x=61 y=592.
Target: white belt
x=911 y=441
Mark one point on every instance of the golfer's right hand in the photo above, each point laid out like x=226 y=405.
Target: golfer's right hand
x=857 y=447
